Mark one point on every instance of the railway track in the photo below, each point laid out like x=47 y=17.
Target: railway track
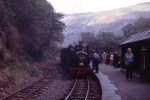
x=85 y=89
x=32 y=91
x=36 y=89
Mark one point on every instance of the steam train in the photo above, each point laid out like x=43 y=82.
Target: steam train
x=76 y=62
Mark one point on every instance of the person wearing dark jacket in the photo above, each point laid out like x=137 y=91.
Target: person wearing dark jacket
x=95 y=61
x=116 y=60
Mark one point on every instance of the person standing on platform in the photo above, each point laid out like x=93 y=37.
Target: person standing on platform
x=111 y=59
x=116 y=60
x=95 y=61
x=104 y=57
x=128 y=61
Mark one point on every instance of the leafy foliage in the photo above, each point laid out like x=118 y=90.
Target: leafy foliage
x=29 y=27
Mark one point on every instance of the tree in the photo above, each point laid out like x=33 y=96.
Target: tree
x=30 y=27
x=102 y=41
x=128 y=30
x=140 y=25
x=87 y=36
x=107 y=41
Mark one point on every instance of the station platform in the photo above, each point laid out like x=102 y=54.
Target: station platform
x=116 y=87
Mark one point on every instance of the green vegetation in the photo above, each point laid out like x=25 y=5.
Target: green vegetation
x=29 y=29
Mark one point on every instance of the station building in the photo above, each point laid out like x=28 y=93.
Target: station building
x=140 y=44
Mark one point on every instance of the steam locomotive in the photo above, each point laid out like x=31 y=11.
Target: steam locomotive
x=76 y=62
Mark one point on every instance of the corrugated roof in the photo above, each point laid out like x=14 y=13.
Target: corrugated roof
x=137 y=37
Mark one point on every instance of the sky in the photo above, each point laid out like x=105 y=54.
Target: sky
x=80 y=6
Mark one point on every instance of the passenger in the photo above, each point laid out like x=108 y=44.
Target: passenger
x=107 y=59
x=116 y=60
x=128 y=61
x=104 y=57
x=95 y=61
x=111 y=59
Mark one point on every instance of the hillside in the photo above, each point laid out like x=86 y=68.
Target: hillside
x=112 y=21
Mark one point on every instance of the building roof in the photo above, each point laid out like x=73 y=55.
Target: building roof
x=137 y=37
